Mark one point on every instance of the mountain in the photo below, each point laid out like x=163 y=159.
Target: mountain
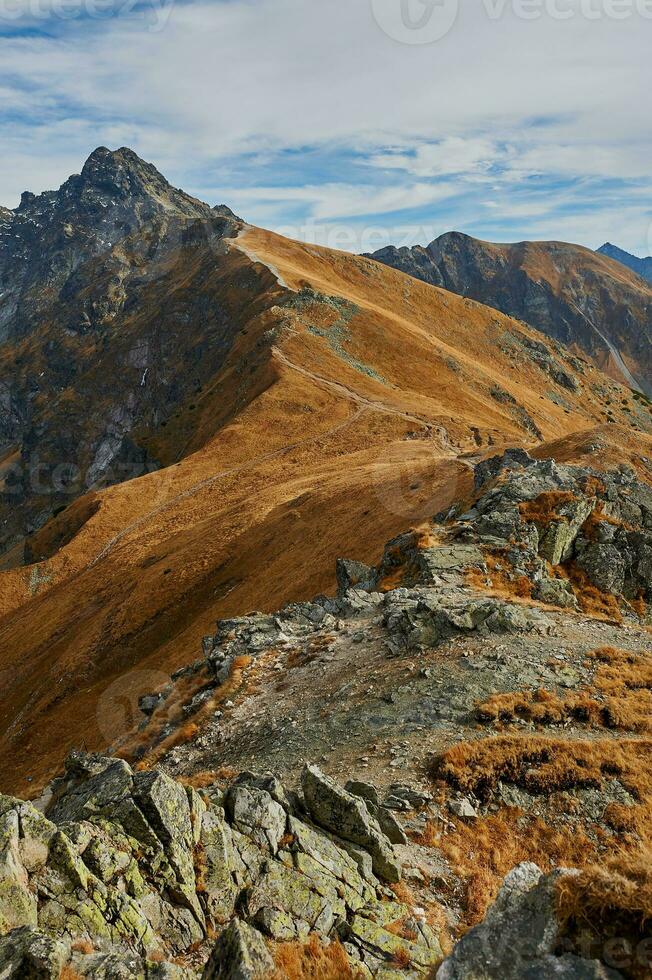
x=642 y=267
x=585 y=300
x=95 y=346
x=324 y=604
x=241 y=410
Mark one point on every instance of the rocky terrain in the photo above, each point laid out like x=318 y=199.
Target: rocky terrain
x=484 y=694
x=200 y=417
x=583 y=299
x=642 y=267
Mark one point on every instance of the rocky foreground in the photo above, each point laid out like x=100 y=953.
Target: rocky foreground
x=507 y=644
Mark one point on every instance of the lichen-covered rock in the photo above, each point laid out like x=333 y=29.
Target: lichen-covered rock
x=18 y=905
x=239 y=954
x=556 y=592
x=222 y=866
x=29 y=954
x=253 y=811
x=347 y=816
x=354 y=575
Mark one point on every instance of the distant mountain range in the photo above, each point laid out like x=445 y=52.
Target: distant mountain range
x=642 y=267
x=584 y=299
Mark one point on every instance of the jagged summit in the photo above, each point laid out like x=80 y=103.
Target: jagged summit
x=52 y=237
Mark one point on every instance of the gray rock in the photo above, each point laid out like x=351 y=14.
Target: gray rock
x=463 y=809
x=252 y=811
x=239 y=954
x=556 y=592
x=29 y=954
x=569 y=967
x=354 y=575
x=519 y=930
x=347 y=816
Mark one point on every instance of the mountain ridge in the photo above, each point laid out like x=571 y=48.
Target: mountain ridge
x=288 y=393
x=568 y=292
x=641 y=266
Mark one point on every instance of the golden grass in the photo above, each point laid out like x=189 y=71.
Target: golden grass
x=620 y=697
x=613 y=903
x=483 y=852
x=313 y=961
x=519 y=587
x=186 y=730
x=543 y=510
x=591 y=600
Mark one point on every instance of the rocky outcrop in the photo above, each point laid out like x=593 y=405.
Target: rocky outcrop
x=519 y=937
x=130 y=873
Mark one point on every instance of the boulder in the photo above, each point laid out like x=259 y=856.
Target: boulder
x=253 y=812
x=29 y=954
x=556 y=539
x=347 y=816
x=354 y=575
x=239 y=954
x=519 y=935
x=17 y=902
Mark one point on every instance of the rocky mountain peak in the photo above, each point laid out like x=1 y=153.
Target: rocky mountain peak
x=55 y=235
x=641 y=266
x=125 y=175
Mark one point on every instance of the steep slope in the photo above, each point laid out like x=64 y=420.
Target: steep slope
x=112 y=316
x=642 y=267
x=583 y=299
x=287 y=404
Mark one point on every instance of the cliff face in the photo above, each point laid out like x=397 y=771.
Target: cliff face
x=581 y=298
x=112 y=317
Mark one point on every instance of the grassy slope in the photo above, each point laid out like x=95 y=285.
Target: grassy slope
x=336 y=438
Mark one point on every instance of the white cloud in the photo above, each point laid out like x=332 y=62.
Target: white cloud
x=452 y=155
x=492 y=105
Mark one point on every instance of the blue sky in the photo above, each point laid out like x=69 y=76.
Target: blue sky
x=352 y=123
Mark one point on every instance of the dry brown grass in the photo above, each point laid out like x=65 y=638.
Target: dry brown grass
x=187 y=730
x=401 y=959
x=435 y=915
x=620 y=697
x=199 y=780
x=313 y=961
x=502 y=583
x=483 y=852
x=613 y=902
x=544 y=510
x=547 y=765
x=592 y=601
x=82 y=946
x=68 y=972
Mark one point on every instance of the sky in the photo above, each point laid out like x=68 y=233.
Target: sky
x=350 y=123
